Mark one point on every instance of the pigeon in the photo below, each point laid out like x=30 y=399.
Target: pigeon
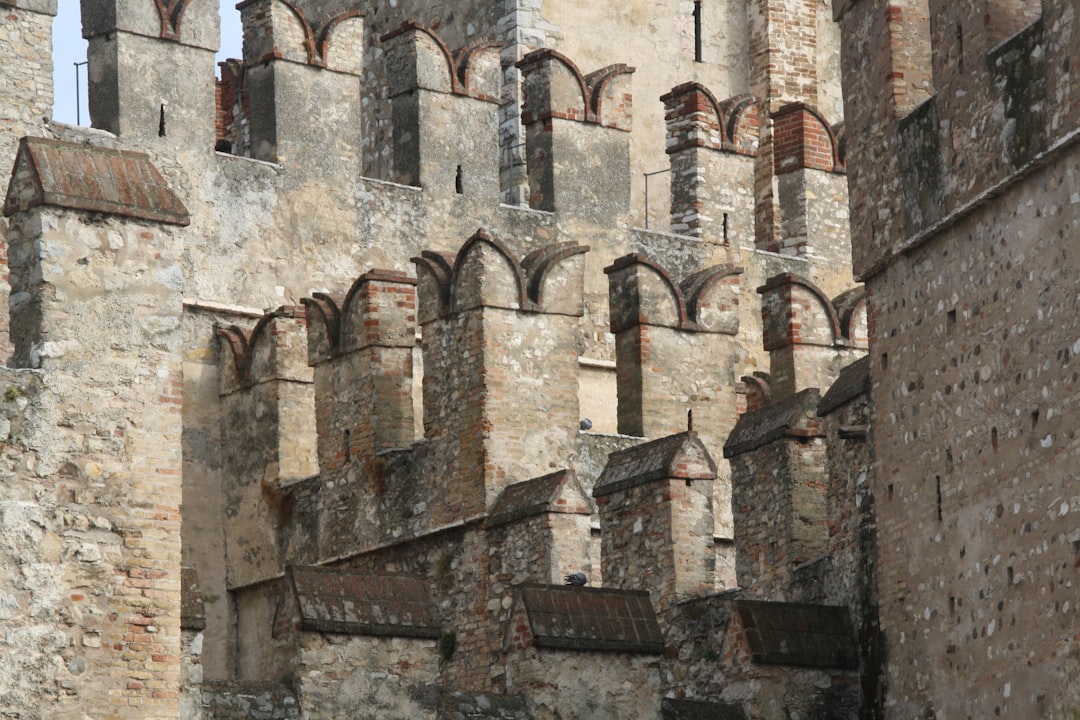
x=585 y=424
x=577 y=579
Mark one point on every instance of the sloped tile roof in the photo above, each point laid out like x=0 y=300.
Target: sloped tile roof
x=342 y=601
x=576 y=618
x=779 y=633
x=90 y=178
x=654 y=460
x=796 y=415
x=539 y=495
x=854 y=380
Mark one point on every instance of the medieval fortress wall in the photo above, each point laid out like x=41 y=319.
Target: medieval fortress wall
x=300 y=360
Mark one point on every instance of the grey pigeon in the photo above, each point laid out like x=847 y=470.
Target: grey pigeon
x=585 y=424
x=577 y=579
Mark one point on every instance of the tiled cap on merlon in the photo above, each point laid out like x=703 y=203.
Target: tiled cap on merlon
x=358 y=603
x=794 y=417
x=682 y=456
x=557 y=492
x=587 y=619
x=807 y=635
x=93 y=179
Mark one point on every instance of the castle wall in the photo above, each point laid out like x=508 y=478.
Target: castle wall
x=575 y=684
x=100 y=593
x=971 y=353
x=975 y=498
x=27 y=88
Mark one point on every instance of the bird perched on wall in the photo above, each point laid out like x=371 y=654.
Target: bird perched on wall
x=577 y=579
x=585 y=424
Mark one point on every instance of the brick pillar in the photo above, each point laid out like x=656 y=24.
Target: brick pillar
x=712 y=169
x=100 y=487
x=26 y=96
x=497 y=414
x=779 y=493
x=808 y=340
x=810 y=185
x=656 y=519
x=304 y=95
x=361 y=349
x=675 y=348
x=577 y=136
x=263 y=374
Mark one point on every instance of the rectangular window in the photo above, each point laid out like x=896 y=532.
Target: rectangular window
x=697 y=31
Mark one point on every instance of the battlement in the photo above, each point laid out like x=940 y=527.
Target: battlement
x=969 y=107
x=559 y=106
x=802 y=139
x=660 y=323
x=280 y=30
x=809 y=337
x=696 y=119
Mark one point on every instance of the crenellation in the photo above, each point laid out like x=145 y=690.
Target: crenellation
x=707 y=139
x=387 y=483
x=565 y=117
x=807 y=341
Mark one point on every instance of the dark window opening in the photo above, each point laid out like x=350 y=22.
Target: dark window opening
x=161 y=122
x=697 y=31
x=457 y=182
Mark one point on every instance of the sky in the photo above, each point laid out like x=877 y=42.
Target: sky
x=69 y=48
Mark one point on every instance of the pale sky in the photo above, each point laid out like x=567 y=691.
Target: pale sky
x=69 y=48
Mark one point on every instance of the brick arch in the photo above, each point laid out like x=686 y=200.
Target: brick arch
x=678 y=302
x=823 y=302
x=324 y=323
x=171 y=12
x=325 y=35
x=238 y=340
x=790 y=135
x=448 y=58
x=851 y=309
x=575 y=74
x=840 y=133
x=463 y=67
x=440 y=267
x=743 y=127
x=697 y=286
x=539 y=264
x=711 y=104
x=757 y=390
x=598 y=84
x=460 y=276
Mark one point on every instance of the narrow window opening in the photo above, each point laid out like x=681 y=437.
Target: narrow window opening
x=937 y=480
x=1034 y=419
x=697 y=31
x=457 y=182
x=1009 y=572
x=347 y=448
x=884 y=361
x=950 y=323
x=994 y=438
x=948 y=460
x=889 y=491
x=960 y=45
x=161 y=122
x=726 y=238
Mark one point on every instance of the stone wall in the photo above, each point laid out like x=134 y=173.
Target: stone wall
x=102 y=452
x=972 y=453
x=964 y=219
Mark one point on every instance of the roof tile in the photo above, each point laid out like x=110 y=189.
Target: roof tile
x=90 y=178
